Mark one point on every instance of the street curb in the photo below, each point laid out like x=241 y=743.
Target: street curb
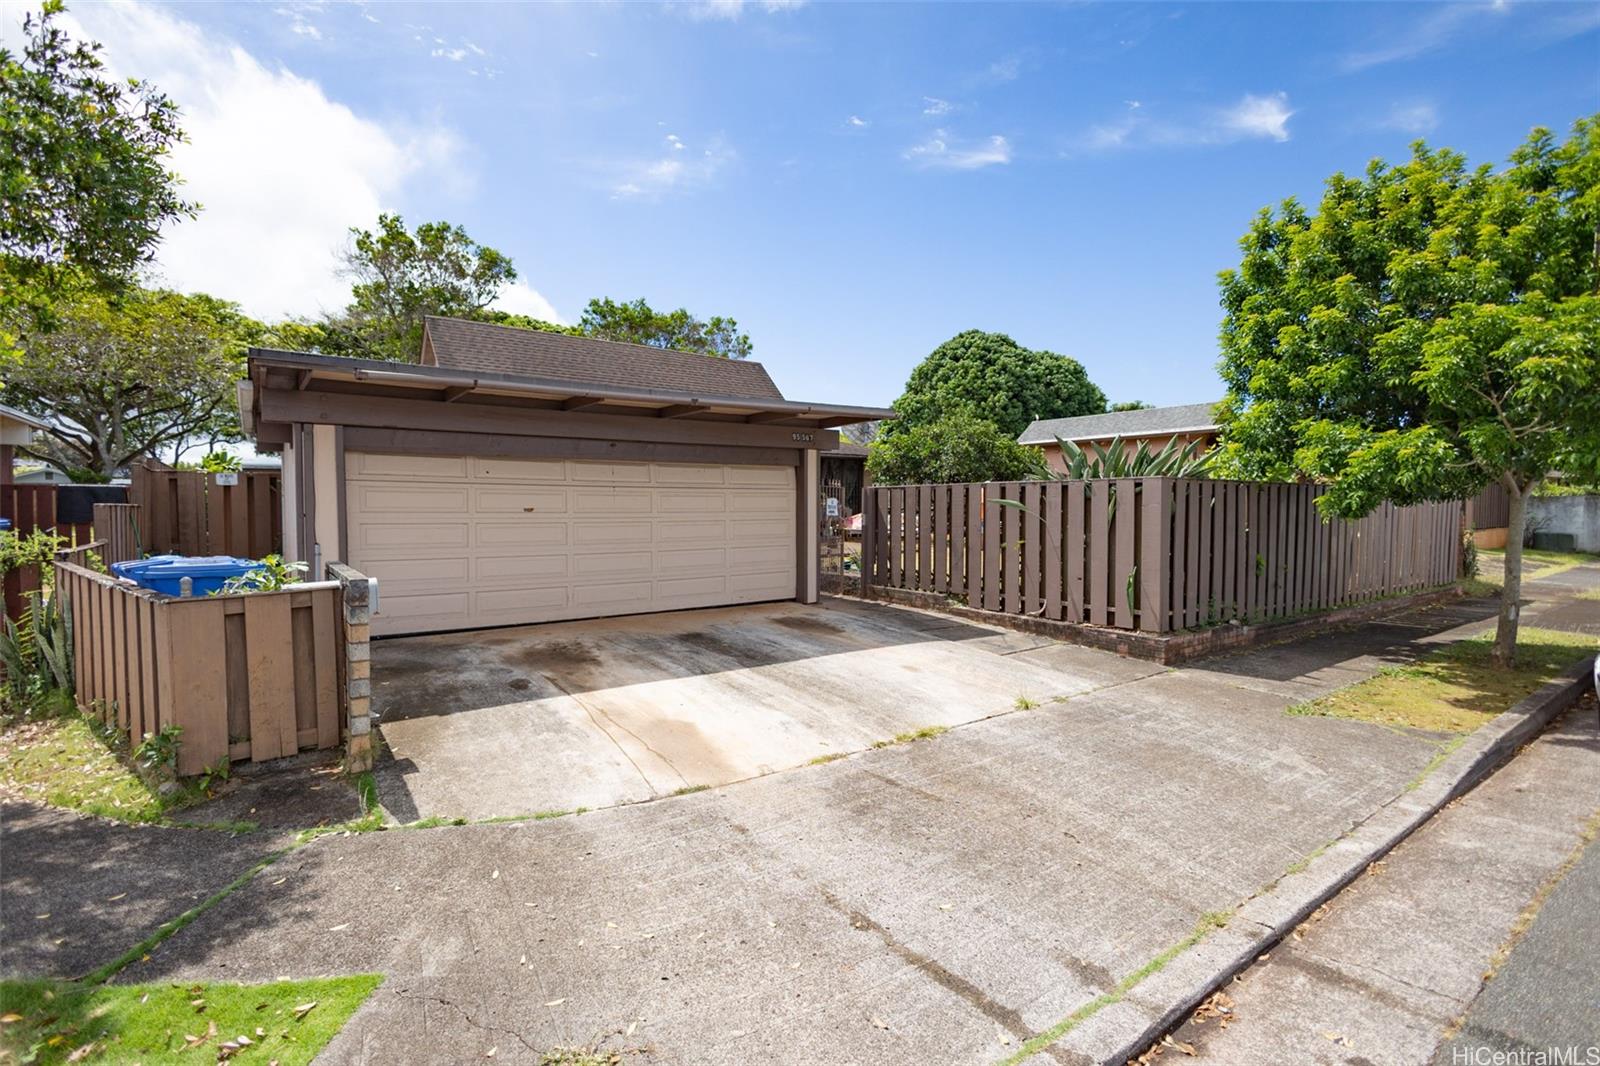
x=1168 y=997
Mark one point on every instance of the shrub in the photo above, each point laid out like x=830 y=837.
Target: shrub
x=958 y=447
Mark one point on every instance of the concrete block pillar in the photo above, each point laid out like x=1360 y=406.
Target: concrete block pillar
x=355 y=666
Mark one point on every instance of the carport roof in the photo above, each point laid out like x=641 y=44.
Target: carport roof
x=303 y=370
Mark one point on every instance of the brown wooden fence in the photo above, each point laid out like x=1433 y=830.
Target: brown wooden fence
x=186 y=512
x=1489 y=509
x=116 y=526
x=245 y=677
x=1153 y=554
x=29 y=507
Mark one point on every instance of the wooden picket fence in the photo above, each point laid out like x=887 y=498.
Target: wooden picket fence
x=116 y=526
x=186 y=512
x=251 y=676
x=1152 y=554
x=29 y=507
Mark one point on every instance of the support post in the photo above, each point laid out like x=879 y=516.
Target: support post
x=355 y=665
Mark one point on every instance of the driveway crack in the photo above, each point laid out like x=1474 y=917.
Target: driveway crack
x=468 y=1018
x=592 y=712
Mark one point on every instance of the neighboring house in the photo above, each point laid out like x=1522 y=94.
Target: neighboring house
x=1154 y=426
x=515 y=476
x=16 y=429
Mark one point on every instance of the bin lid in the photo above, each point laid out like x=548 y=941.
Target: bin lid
x=134 y=566
x=198 y=566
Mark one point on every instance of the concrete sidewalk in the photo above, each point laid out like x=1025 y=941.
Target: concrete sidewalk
x=1390 y=967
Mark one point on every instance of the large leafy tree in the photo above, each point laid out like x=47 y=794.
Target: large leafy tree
x=995 y=378
x=117 y=379
x=1428 y=330
x=84 y=189
x=399 y=277
x=639 y=323
x=955 y=448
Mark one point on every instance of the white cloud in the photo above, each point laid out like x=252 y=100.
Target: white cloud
x=1411 y=118
x=679 y=170
x=1253 y=117
x=299 y=16
x=1442 y=24
x=1259 y=116
x=932 y=105
x=733 y=9
x=519 y=298
x=944 y=152
x=857 y=122
x=454 y=55
x=1004 y=70
x=282 y=172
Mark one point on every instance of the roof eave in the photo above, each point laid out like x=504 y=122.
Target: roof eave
x=382 y=371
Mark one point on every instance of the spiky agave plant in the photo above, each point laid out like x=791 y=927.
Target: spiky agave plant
x=1116 y=460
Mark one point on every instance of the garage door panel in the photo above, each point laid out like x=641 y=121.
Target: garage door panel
x=521 y=601
x=607 y=501
x=590 y=535
x=521 y=568
x=613 y=564
x=380 y=498
x=706 y=588
x=761 y=530
x=691 y=559
x=411 y=467
x=454 y=545
x=431 y=536
x=610 y=595
x=530 y=534
x=540 y=501
x=691 y=531
x=519 y=470
x=609 y=473
x=686 y=474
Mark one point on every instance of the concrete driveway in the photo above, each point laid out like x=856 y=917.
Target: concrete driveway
x=594 y=714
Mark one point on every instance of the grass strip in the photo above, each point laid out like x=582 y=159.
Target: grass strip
x=47 y=1021
x=1456 y=688
x=1034 y=1045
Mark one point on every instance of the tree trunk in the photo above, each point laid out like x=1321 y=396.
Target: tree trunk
x=1505 y=632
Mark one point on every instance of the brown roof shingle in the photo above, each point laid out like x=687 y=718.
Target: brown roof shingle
x=459 y=344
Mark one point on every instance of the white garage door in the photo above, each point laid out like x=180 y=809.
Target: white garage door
x=457 y=542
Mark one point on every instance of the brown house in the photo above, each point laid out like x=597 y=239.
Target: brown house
x=1153 y=426
x=515 y=476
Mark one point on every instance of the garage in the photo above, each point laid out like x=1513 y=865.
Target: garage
x=514 y=476
x=457 y=542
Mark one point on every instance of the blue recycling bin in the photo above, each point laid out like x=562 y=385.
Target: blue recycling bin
x=5 y=523
x=163 y=573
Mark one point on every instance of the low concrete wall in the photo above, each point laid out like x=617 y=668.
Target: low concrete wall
x=1578 y=515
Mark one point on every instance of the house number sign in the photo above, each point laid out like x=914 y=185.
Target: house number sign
x=805 y=438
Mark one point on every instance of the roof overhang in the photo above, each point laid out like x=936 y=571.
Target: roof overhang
x=273 y=369
x=1134 y=434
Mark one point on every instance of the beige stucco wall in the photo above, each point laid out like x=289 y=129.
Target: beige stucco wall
x=1052 y=452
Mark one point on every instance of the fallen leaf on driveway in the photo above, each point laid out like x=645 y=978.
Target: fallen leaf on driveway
x=556 y=1002
x=946 y=906
x=1178 y=1045
x=113 y=899
x=494 y=875
x=7 y=1019
x=336 y=928
x=490 y=1053
x=880 y=1023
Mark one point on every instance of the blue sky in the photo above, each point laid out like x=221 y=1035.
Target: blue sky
x=854 y=183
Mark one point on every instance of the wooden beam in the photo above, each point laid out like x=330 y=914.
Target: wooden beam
x=433 y=442
x=354 y=410
x=770 y=416
x=302 y=380
x=681 y=410
x=455 y=392
x=578 y=403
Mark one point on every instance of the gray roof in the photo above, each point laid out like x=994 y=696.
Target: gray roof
x=20 y=416
x=482 y=347
x=1147 y=422
x=847 y=449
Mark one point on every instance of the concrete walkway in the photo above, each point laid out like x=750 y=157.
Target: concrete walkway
x=1387 y=971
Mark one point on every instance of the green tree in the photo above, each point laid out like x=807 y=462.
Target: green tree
x=399 y=277
x=119 y=378
x=1130 y=405
x=639 y=323
x=998 y=380
x=958 y=447
x=1429 y=330
x=84 y=189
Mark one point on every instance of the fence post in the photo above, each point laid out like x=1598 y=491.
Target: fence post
x=355 y=666
x=869 y=535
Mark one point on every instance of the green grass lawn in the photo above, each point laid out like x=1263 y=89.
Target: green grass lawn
x=60 y=761
x=1537 y=563
x=286 y=1022
x=1455 y=689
